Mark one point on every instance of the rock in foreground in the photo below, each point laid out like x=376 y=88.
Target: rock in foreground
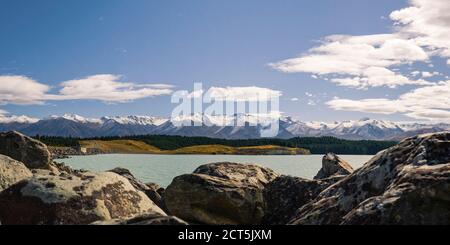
x=11 y=172
x=405 y=184
x=220 y=193
x=284 y=195
x=72 y=199
x=31 y=152
x=152 y=190
x=420 y=196
x=146 y=219
x=333 y=165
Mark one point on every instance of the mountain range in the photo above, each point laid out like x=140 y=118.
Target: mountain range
x=77 y=126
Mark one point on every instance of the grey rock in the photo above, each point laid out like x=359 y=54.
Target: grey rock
x=419 y=196
x=284 y=195
x=145 y=219
x=83 y=198
x=152 y=190
x=220 y=193
x=371 y=186
x=11 y=172
x=32 y=153
x=333 y=165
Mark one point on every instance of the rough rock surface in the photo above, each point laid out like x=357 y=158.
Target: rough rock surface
x=146 y=219
x=160 y=190
x=152 y=190
x=412 y=175
x=333 y=165
x=11 y=172
x=31 y=152
x=284 y=195
x=220 y=193
x=72 y=199
x=420 y=196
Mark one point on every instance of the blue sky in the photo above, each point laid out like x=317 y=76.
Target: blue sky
x=219 y=43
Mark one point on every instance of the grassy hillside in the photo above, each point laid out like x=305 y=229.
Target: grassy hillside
x=249 y=150
x=139 y=147
x=119 y=146
x=319 y=145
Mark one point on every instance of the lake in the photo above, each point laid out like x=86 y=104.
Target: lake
x=161 y=169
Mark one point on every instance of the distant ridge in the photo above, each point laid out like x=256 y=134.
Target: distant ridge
x=81 y=127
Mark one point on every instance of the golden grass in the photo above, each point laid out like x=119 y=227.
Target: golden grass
x=204 y=149
x=139 y=147
x=120 y=146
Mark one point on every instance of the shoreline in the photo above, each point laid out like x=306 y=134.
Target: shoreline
x=178 y=154
x=135 y=147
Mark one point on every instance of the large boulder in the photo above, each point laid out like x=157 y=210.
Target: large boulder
x=72 y=199
x=420 y=196
x=220 y=193
x=284 y=195
x=409 y=176
x=11 y=172
x=33 y=153
x=152 y=190
x=332 y=164
x=145 y=219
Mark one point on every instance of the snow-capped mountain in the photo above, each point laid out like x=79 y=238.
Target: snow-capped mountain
x=17 y=119
x=214 y=126
x=135 y=120
x=75 y=118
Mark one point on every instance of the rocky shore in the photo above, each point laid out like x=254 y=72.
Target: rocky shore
x=405 y=184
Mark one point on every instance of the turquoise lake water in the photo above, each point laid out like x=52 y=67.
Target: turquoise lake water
x=161 y=169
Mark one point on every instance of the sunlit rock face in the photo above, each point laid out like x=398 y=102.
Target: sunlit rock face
x=411 y=176
x=80 y=198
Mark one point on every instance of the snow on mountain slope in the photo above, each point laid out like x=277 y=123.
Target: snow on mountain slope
x=75 y=118
x=241 y=126
x=135 y=120
x=17 y=119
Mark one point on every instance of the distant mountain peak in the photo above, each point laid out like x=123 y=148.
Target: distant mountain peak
x=18 y=119
x=135 y=120
x=219 y=127
x=75 y=118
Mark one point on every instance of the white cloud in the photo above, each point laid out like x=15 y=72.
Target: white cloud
x=427 y=22
x=294 y=99
x=381 y=106
x=422 y=31
x=430 y=74
x=311 y=102
x=431 y=103
x=21 y=90
x=361 y=61
x=158 y=85
x=242 y=93
x=378 y=77
x=107 y=88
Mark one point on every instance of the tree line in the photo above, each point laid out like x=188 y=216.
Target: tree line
x=317 y=145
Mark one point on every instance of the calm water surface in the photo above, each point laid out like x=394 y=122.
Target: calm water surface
x=162 y=169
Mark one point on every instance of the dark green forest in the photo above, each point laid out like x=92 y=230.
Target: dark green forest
x=319 y=145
